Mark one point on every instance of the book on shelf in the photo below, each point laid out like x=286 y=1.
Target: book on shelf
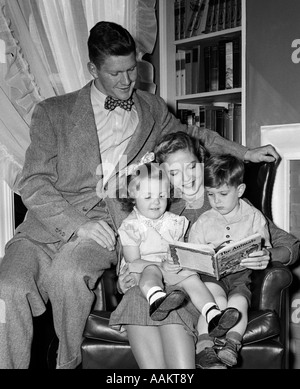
x=239 y=13
x=188 y=71
x=203 y=16
x=229 y=122
x=213 y=73
x=178 y=74
x=189 y=114
x=177 y=19
x=207 y=59
x=222 y=12
x=182 y=72
x=217 y=263
x=222 y=64
x=215 y=20
x=237 y=63
x=200 y=25
x=227 y=14
x=210 y=17
x=233 y=13
x=237 y=123
x=193 y=17
x=196 y=64
x=229 y=65
x=182 y=17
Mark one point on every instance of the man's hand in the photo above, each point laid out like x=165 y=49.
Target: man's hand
x=262 y=154
x=100 y=232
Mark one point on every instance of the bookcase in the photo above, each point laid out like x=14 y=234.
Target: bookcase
x=202 y=63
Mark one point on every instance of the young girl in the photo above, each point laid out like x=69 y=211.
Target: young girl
x=145 y=236
x=230 y=219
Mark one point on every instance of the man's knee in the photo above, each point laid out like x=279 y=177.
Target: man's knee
x=80 y=259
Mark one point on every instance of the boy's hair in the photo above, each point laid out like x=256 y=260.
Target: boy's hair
x=223 y=169
x=176 y=141
x=109 y=39
x=149 y=170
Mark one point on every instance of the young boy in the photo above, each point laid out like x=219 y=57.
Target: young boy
x=230 y=219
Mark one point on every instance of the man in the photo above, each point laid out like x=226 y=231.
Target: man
x=68 y=238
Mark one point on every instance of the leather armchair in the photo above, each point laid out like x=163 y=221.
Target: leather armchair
x=266 y=341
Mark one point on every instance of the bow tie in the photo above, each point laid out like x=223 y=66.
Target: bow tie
x=111 y=103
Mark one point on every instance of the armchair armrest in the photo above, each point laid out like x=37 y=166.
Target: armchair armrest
x=269 y=287
x=107 y=295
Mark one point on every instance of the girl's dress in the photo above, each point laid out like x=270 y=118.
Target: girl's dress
x=134 y=308
x=152 y=237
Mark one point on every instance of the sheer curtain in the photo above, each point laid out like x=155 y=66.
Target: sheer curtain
x=45 y=44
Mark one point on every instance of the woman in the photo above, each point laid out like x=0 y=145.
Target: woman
x=170 y=344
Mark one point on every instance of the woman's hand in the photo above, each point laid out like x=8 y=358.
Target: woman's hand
x=257 y=260
x=126 y=280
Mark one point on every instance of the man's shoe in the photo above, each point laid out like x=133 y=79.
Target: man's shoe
x=160 y=309
x=229 y=352
x=220 y=324
x=208 y=359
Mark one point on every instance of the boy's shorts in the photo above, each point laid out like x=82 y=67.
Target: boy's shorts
x=233 y=283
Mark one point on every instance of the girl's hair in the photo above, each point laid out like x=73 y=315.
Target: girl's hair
x=223 y=169
x=149 y=170
x=176 y=141
x=109 y=39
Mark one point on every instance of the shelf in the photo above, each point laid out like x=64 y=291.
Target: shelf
x=207 y=38
x=231 y=95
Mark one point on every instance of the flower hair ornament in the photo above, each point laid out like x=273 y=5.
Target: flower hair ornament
x=148 y=157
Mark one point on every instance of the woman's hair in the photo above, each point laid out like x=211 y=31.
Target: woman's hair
x=109 y=39
x=223 y=169
x=149 y=170
x=176 y=141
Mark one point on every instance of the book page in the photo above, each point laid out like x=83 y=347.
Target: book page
x=193 y=257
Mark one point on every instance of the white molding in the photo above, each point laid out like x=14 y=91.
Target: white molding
x=7 y=216
x=163 y=45
x=286 y=139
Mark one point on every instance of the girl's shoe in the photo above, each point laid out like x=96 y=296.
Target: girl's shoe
x=161 y=308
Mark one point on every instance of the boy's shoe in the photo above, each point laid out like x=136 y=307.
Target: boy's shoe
x=208 y=359
x=228 y=354
x=220 y=324
x=160 y=309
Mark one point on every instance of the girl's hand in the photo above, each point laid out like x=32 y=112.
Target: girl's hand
x=257 y=260
x=169 y=266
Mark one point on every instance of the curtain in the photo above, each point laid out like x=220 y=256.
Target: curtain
x=46 y=54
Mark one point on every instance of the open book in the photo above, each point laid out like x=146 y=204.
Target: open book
x=203 y=258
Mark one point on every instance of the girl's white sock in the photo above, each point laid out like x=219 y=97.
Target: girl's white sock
x=154 y=294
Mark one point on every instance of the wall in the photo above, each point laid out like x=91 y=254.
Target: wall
x=273 y=87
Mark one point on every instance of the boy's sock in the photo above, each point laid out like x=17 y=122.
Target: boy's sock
x=206 y=356
x=235 y=336
x=229 y=348
x=154 y=294
x=204 y=341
